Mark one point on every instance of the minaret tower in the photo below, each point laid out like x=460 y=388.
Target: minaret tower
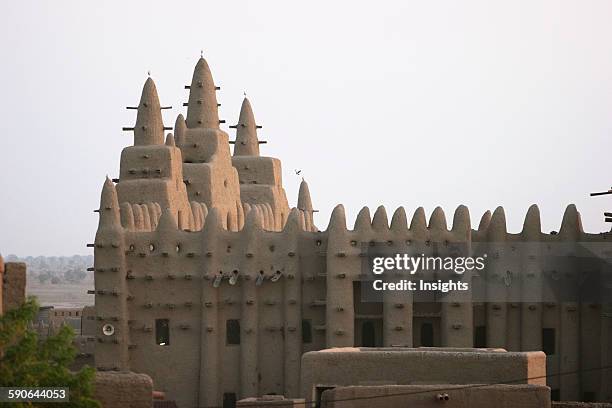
x=305 y=206
x=260 y=177
x=149 y=128
x=209 y=175
x=151 y=170
x=202 y=108
x=247 y=143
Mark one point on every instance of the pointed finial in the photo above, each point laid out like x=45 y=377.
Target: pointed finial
x=419 y=221
x=497 y=227
x=461 y=220
x=202 y=111
x=247 y=143
x=437 y=220
x=244 y=93
x=304 y=200
x=337 y=221
x=399 y=221
x=201 y=53
x=363 y=222
x=109 y=206
x=293 y=221
x=149 y=128
x=532 y=227
x=571 y=225
x=149 y=73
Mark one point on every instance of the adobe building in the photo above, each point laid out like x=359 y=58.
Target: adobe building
x=207 y=279
x=12 y=285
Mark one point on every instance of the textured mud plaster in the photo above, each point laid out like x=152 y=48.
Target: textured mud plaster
x=351 y=366
x=13 y=285
x=123 y=390
x=448 y=396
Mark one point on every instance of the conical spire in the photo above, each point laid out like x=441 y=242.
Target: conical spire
x=202 y=111
x=149 y=128
x=304 y=201
x=109 y=206
x=170 y=142
x=337 y=221
x=571 y=226
x=247 y=143
x=179 y=130
x=497 y=226
x=418 y=222
x=461 y=220
x=484 y=221
x=532 y=226
x=293 y=221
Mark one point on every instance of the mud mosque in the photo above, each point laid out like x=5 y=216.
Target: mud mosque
x=209 y=281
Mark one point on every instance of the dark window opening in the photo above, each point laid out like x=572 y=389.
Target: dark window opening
x=162 y=332
x=480 y=337
x=548 y=341
x=232 y=332
x=427 y=335
x=555 y=395
x=368 y=334
x=229 y=400
x=306 y=331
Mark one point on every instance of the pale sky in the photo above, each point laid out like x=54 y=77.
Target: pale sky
x=412 y=103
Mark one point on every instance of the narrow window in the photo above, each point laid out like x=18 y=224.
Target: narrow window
x=427 y=335
x=306 y=331
x=555 y=395
x=548 y=341
x=368 y=334
x=162 y=332
x=480 y=337
x=232 y=332
x=229 y=399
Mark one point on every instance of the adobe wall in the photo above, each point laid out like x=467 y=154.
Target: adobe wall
x=354 y=366
x=433 y=396
x=88 y=321
x=14 y=285
x=123 y=390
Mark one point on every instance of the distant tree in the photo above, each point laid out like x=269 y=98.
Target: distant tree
x=27 y=362
x=55 y=280
x=74 y=275
x=43 y=277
